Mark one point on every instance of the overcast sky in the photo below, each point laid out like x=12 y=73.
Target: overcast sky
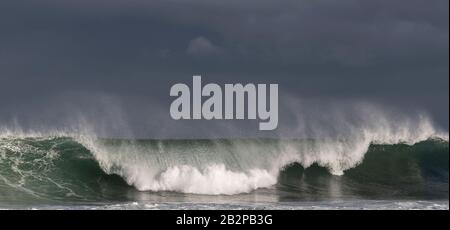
x=121 y=57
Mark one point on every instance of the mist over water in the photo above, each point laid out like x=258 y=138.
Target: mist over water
x=112 y=116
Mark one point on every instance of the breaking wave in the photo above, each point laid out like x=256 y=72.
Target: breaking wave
x=407 y=160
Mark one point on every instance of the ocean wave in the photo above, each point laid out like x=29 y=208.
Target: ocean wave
x=77 y=164
x=81 y=168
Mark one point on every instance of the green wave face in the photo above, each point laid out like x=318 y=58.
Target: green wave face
x=42 y=170
x=395 y=171
x=61 y=169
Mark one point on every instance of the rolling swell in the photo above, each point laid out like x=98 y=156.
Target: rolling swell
x=76 y=169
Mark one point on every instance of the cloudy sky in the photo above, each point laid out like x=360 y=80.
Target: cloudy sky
x=116 y=60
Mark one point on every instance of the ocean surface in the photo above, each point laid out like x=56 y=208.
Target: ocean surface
x=77 y=172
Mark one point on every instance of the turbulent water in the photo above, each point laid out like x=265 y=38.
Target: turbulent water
x=57 y=171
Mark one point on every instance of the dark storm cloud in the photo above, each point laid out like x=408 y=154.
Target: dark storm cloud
x=389 y=51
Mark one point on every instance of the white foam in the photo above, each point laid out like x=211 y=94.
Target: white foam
x=214 y=179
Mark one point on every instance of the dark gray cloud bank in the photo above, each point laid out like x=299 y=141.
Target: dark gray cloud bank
x=115 y=61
